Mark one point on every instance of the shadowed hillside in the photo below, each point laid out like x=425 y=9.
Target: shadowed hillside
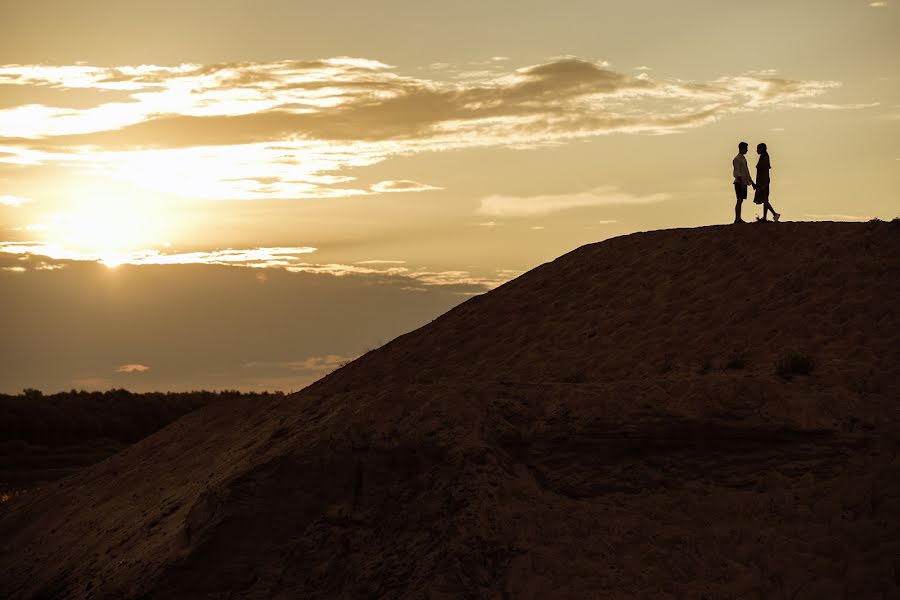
x=46 y=437
x=685 y=413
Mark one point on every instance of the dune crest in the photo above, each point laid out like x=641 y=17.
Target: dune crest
x=685 y=413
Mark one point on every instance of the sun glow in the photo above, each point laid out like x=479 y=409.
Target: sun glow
x=110 y=228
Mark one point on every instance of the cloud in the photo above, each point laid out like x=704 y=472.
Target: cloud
x=878 y=4
x=536 y=206
x=402 y=186
x=601 y=224
x=132 y=368
x=43 y=257
x=13 y=201
x=824 y=106
x=380 y=262
x=250 y=257
x=253 y=257
x=836 y=217
x=328 y=362
x=463 y=280
x=293 y=128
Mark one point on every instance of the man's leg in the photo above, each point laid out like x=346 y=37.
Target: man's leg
x=740 y=193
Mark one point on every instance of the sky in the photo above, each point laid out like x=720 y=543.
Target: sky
x=235 y=194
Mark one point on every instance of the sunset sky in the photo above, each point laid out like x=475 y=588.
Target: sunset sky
x=235 y=194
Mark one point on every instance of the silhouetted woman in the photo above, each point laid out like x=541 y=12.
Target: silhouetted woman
x=762 y=183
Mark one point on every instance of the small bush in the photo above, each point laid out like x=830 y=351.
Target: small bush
x=794 y=364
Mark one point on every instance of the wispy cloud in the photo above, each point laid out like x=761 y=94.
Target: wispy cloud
x=878 y=4
x=601 y=224
x=293 y=129
x=536 y=206
x=14 y=201
x=460 y=278
x=836 y=217
x=380 y=262
x=292 y=260
x=251 y=257
x=132 y=368
x=328 y=362
x=402 y=186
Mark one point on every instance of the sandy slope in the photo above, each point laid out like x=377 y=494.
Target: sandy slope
x=575 y=433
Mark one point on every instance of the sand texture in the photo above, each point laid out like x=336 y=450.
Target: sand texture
x=609 y=425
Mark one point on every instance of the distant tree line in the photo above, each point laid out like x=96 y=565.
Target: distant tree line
x=77 y=416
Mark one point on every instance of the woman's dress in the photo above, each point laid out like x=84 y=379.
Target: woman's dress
x=761 y=196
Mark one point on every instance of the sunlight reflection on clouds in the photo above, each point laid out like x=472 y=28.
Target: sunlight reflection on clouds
x=291 y=260
x=291 y=129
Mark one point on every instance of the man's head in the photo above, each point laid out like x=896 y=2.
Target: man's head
x=743 y=147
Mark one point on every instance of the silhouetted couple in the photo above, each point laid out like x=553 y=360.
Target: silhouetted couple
x=742 y=179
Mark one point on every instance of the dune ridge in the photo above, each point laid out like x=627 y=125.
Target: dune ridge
x=612 y=424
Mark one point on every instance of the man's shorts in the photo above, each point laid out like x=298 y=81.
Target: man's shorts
x=740 y=191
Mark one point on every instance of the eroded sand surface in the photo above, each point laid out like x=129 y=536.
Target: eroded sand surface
x=608 y=425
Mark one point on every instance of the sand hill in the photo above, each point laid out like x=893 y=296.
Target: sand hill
x=703 y=413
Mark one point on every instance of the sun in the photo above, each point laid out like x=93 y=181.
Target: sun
x=108 y=228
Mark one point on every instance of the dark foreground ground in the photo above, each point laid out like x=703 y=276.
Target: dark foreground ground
x=705 y=413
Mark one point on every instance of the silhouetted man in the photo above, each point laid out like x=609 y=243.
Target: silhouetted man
x=741 y=180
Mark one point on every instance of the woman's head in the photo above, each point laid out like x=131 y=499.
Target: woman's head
x=761 y=149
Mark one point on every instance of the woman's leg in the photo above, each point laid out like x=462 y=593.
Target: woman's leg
x=767 y=207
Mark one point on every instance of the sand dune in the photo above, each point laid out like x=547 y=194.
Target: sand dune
x=609 y=425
